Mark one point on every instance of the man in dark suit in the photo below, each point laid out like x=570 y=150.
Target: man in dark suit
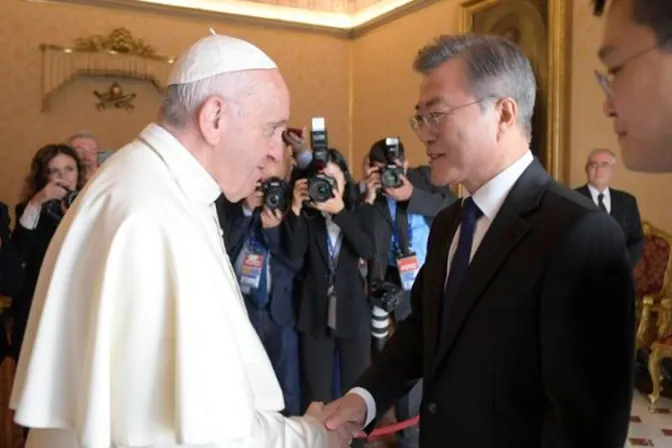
x=253 y=232
x=508 y=327
x=402 y=217
x=622 y=206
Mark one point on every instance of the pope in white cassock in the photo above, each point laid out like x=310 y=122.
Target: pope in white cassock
x=138 y=336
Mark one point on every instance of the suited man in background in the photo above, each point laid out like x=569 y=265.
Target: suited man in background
x=622 y=206
x=508 y=327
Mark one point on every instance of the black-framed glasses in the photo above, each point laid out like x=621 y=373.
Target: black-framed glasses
x=606 y=80
x=419 y=122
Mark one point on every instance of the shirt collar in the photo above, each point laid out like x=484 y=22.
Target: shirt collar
x=190 y=175
x=594 y=192
x=492 y=194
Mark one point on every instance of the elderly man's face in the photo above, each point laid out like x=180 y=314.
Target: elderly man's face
x=457 y=135
x=253 y=136
x=600 y=169
x=638 y=90
x=87 y=150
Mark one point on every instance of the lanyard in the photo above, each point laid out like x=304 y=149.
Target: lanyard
x=395 y=229
x=332 y=259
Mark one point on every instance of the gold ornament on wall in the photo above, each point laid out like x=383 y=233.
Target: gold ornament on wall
x=115 y=98
x=120 y=40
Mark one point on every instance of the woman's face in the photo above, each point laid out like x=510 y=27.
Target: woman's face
x=334 y=171
x=63 y=168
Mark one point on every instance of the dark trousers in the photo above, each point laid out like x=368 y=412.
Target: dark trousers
x=282 y=347
x=317 y=361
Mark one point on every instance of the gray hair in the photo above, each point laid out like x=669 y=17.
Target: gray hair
x=496 y=68
x=181 y=101
x=601 y=151
x=81 y=134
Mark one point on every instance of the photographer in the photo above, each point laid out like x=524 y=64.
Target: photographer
x=56 y=175
x=333 y=312
x=266 y=275
x=405 y=203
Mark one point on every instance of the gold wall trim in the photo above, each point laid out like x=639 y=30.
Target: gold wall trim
x=557 y=96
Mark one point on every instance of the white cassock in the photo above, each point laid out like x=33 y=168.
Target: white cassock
x=138 y=335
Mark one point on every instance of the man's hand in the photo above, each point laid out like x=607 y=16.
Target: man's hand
x=402 y=193
x=299 y=195
x=347 y=413
x=297 y=142
x=372 y=184
x=270 y=218
x=340 y=438
x=254 y=200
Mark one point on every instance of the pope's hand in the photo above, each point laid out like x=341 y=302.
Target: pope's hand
x=347 y=413
x=339 y=438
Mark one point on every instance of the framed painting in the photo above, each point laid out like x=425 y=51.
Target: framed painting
x=542 y=30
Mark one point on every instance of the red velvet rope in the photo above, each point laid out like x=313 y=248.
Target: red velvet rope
x=390 y=429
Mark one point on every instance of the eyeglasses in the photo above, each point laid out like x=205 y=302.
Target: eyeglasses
x=606 y=80
x=602 y=165
x=418 y=122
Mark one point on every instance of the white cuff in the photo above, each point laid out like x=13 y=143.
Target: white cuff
x=247 y=212
x=304 y=158
x=30 y=216
x=370 y=403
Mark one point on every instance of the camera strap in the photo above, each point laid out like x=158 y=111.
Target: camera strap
x=333 y=248
x=402 y=233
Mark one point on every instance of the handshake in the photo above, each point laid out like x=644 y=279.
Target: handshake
x=343 y=419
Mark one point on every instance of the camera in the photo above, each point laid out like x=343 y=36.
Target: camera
x=390 y=174
x=275 y=194
x=386 y=296
x=54 y=207
x=320 y=186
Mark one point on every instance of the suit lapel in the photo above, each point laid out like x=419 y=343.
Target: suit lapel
x=381 y=206
x=436 y=278
x=320 y=236
x=506 y=231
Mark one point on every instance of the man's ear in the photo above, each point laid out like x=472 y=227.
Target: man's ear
x=507 y=112
x=211 y=119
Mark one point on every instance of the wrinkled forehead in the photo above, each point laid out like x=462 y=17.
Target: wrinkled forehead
x=85 y=143
x=601 y=157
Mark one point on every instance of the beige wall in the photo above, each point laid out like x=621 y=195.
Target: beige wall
x=315 y=67
x=323 y=73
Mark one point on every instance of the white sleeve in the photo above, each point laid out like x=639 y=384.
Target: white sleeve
x=370 y=403
x=30 y=216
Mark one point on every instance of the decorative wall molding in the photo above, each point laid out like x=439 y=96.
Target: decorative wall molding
x=118 y=54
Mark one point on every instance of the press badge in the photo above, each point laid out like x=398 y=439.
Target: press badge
x=408 y=267
x=250 y=275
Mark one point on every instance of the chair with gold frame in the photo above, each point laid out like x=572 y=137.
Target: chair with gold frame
x=654 y=301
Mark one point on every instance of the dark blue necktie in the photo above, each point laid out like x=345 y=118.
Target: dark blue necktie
x=259 y=295
x=458 y=266
x=600 y=203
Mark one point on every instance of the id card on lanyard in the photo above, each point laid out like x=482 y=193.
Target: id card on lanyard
x=253 y=265
x=407 y=263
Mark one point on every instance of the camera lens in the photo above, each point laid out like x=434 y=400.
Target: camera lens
x=273 y=201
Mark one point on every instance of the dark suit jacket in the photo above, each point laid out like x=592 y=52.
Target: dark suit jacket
x=625 y=211
x=31 y=246
x=308 y=241
x=11 y=272
x=283 y=270
x=523 y=363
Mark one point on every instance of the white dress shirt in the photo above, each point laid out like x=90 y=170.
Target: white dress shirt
x=594 y=193
x=489 y=199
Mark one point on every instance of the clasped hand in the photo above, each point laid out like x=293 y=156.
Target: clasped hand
x=343 y=418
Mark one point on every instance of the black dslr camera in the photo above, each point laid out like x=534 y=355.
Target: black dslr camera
x=275 y=191
x=385 y=295
x=55 y=207
x=320 y=186
x=390 y=174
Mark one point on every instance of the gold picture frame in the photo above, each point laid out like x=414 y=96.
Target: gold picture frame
x=553 y=64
